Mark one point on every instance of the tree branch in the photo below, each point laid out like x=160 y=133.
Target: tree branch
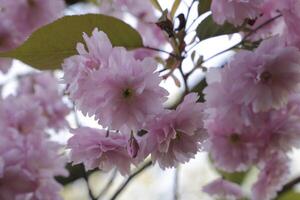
x=123 y=186
x=290 y=185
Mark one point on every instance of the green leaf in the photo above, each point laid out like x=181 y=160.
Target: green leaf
x=236 y=177
x=50 y=45
x=156 y=4
x=290 y=195
x=175 y=7
x=203 y=6
x=208 y=28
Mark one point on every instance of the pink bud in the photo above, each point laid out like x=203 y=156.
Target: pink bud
x=132 y=147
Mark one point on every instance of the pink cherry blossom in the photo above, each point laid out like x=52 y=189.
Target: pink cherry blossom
x=273 y=175
x=235 y=11
x=43 y=88
x=270 y=74
x=22 y=114
x=29 y=162
x=97 y=148
x=234 y=148
x=128 y=92
x=28 y=15
x=224 y=189
x=175 y=136
x=78 y=68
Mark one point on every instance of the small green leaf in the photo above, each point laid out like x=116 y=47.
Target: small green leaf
x=50 y=45
x=208 y=28
x=290 y=195
x=175 y=7
x=203 y=6
x=156 y=4
x=236 y=177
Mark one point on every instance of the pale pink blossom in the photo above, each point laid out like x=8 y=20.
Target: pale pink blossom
x=97 y=148
x=28 y=163
x=28 y=15
x=79 y=68
x=152 y=36
x=235 y=11
x=271 y=73
x=22 y=114
x=142 y=10
x=8 y=40
x=175 y=136
x=43 y=88
x=128 y=92
x=234 y=148
x=273 y=175
x=224 y=189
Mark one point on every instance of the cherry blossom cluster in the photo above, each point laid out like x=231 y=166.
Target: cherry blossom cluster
x=260 y=12
x=29 y=160
x=19 y=18
x=124 y=95
x=144 y=14
x=252 y=104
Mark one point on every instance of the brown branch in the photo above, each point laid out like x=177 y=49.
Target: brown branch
x=131 y=177
x=290 y=185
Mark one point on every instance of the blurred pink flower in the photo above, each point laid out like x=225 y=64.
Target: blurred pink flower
x=28 y=15
x=235 y=11
x=224 y=189
x=273 y=175
x=271 y=73
x=22 y=114
x=28 y=163
x=233 y=148
x=43 y=88
x=96 y=149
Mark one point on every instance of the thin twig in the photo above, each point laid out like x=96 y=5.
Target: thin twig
x=108 y=185
x=239 y=43
x=290 y=185
x=123 y=186
x=176 y=184
x=86 y=178
x=163 y=51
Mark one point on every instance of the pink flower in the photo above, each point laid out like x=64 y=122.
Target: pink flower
x=28 y=162
x=78 y=68
x=128 y=92
x=234 y=148
x=28 y=15
x=272 y=177
x=235 y=11
x=142 y=10
x=44 y=89
x=8 y=40
x=96 y=149
x=269 y=83
x=152 y=36
x=286 y=25
x=175 y=136
x=271 y=73
x=5 y=64
x=22 y=115
x=224 y=189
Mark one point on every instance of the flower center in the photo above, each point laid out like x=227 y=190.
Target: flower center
x=31 y=2
x=234 y=138
x=127 y=93
x=265 y=77
x=92 y=64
